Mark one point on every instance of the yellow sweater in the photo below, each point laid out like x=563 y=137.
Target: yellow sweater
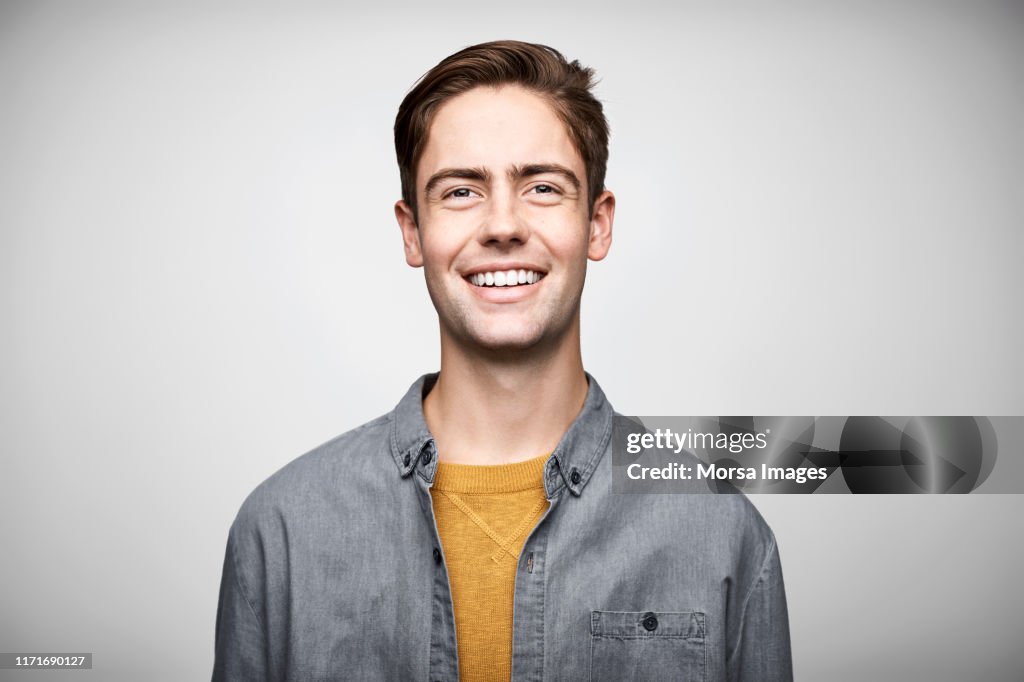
x=484 y=514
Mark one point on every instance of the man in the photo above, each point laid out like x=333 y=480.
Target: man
x=471 y=534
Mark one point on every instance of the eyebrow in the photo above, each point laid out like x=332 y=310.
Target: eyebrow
x=517 y=172
x=478 y=174
x=529 y=170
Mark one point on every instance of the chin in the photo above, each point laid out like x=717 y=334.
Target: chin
x=506 y=343
x=506 y=340
x=513 y=334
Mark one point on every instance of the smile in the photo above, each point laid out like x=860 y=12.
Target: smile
x=505 y=278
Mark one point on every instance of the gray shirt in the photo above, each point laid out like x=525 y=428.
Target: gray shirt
x=334 y=570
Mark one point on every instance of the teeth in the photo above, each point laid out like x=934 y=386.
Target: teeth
x=505 y=278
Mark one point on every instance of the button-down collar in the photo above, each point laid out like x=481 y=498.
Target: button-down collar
x=571 y=464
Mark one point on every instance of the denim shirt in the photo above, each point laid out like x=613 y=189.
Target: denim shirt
x=334 y=570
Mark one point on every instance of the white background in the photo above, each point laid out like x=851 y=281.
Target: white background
x=820 y=211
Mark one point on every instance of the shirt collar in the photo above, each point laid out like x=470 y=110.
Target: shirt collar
x=570 y=465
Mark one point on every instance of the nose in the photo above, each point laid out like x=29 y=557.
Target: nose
x=504 y=224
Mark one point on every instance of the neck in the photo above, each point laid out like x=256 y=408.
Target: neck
x=495 y=409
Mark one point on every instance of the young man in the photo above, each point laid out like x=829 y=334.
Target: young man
x=471 y=534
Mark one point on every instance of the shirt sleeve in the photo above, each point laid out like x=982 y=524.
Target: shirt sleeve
x=762 y=652
x=240 y=653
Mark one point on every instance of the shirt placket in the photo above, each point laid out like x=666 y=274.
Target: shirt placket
x=528 y=605
x=444 y=664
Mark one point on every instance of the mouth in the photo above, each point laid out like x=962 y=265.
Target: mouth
x=505 y=278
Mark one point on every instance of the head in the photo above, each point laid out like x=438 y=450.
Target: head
x=566 y=86
x=502 y=151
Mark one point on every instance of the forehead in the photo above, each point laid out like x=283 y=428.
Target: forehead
x=497 y=128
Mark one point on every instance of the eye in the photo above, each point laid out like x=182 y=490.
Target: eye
x=544 y=189
x=460 y=193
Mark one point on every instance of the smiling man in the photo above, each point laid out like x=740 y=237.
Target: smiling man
x=471 y=533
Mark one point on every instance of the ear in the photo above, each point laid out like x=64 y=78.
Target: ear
x=601 y=226
x=410 y=234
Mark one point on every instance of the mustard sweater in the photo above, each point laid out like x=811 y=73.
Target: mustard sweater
x=484 y=514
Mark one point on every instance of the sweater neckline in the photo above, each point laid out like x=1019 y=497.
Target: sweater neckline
x=490 y=478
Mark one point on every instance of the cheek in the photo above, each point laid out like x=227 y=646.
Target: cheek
x=438 y=254
x=569 y=244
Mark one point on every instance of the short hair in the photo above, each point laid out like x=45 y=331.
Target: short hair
x=565 y=85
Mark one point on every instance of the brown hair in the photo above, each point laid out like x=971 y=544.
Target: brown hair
x=542 y=69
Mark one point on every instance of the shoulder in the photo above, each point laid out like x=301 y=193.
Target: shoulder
x=727 y=532
x=728 y=524
x=311 y=480
x=716 y=510
x=749 y=531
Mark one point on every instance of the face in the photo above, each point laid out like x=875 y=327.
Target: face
x=505 y=227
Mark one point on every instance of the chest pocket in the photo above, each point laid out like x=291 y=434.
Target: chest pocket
x=647 y=645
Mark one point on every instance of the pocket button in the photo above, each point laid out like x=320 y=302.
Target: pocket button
x=650 y=622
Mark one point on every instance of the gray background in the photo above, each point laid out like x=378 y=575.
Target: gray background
x=820 y=212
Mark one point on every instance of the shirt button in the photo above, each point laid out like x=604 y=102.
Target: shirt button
x=650 y=622
x=427 y=457
x=575 y=477
x=405 y=460
x=437 y=556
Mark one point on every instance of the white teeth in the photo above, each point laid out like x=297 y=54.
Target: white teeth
x=505 y=278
